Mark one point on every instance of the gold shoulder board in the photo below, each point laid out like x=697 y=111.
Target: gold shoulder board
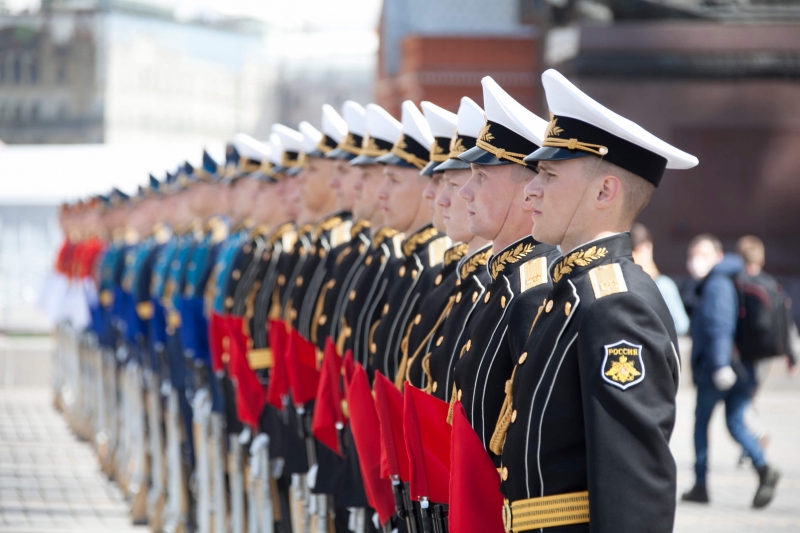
x=436 y=250
x=288 y=240
x=607 y=280
x=532 y=273
x=397 y=240
x=340 y=234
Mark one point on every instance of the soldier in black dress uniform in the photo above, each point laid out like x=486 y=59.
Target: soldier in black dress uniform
x=497 y=211
x=423 y=248
x=472 y=276
x=591 y=406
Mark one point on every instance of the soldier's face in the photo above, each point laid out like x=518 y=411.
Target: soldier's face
x=556 y=194
x=454 y=207
x=313 y=183
x=400 y=196
x=430 y=194
x=370 y=178
x=344 y=180
x=243 y=194
x=266 y=208
x=494 y=198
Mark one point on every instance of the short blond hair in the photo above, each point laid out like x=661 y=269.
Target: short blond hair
x=638 y=191
x=751 y=249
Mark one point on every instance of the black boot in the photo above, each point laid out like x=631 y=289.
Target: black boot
x=698 y=494
x=767 y=480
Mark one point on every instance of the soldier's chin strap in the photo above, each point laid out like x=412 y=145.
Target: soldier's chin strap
x=588 y=179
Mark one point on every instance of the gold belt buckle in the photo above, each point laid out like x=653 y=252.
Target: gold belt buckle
x=507 y=517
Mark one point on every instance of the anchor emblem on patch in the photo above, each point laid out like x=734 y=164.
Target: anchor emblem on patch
x=623 y=365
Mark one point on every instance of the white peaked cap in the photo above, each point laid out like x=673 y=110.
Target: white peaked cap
x=333 y=125
x=250 y=148
x=504 y=110
x=470 y=118
x=381 y=125
x=276 y=149
x=291 y=140
x=355 y=116
x=311 y=137
x=441 y=122
x=415 y=125
x=566 y=100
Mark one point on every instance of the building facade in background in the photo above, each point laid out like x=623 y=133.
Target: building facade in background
x=440 y=50
x=124 y=72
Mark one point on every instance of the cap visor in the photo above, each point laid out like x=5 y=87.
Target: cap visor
x=391 y=159
x=479 y=156
x=430 y=168
x=338 y=153
x=550 y=153
x=315 y=153
x=363 y=160
x=294 y=171
x=452 y=164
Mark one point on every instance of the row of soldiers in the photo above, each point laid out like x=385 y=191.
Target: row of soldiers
x=357 y=329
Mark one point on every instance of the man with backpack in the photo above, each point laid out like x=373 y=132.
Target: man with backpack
x=719 y=373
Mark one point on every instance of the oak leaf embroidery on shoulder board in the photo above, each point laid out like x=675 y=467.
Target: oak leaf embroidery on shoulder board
x=472 y=264
x=455 y=253
x=510 y=256
x=579 y=258
x=411 y=244
x=329 y=224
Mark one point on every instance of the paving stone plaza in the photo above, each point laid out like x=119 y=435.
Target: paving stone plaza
x=51 y=481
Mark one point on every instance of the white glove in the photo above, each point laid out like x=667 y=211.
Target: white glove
x=724 y=378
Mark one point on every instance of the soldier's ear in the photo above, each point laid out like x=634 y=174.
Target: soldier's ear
x=608 y=191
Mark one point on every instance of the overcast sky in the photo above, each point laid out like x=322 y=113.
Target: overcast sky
x=322 y=14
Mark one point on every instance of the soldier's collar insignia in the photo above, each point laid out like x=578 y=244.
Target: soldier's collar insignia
x=383 y=234
x=471 y=263
x=510 y=255
x=455 y=253
x=358 y=227
x=418 y=239
x=579 y=258
x=623 y=365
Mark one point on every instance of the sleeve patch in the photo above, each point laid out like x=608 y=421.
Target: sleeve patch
x=623 y=365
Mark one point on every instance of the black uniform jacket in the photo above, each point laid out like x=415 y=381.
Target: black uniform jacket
x=498 y=329
x=473 y=278
x=431 y=314
x=423 y=253
x=593 y=395
x=366 y=295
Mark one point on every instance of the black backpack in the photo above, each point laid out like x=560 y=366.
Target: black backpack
x=762 y=330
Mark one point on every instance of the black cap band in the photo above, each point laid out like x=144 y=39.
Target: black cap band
x=440 y=149
x=412 y=152
x=504 y=143
x=567 y=138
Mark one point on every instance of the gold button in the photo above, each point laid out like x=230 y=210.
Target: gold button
x=468 y=345
x=503 y=302
x=314 y=249
x=331 y=283
x=373 y=347
x=474 y=296
x=299 y=282
x=523 y=357
x=486 y=298
x=281 y=280
x=438 y=279
x=236 y=274
x=513 y=416
x=567 y=308
x=434 y=386
x=402 y=271
x=385 y=309
x=368 y=261
x=504 y=473
x=549 y=306
x=459 y=395
x=417 y=319
x=322 y=320
x=228 y=302
x=322 y=252
x=458 y=297
x=414 y=274
x=361 y=248
x=352 y=295
x=439 y=341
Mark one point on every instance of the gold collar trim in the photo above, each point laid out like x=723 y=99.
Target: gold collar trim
x=581 y=258
x=511 y=255
x=455 y=253
x=419 y=238
x=478 y=259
